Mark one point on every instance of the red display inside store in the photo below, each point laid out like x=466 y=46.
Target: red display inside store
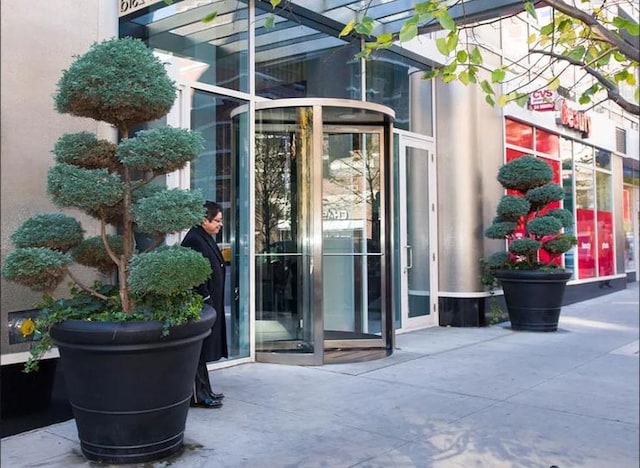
x=605 y=243
x=586 y=243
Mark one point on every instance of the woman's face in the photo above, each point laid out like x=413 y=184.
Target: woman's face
x=213 y=226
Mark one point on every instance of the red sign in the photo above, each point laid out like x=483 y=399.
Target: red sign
x=543 y=100
x=574 y=119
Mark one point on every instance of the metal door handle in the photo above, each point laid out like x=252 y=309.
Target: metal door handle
x=409 y=257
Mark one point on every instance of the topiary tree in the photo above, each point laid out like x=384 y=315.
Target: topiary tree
x=534 y=231
x=121 y=82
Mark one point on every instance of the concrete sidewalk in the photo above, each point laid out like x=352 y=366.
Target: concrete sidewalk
x=448 y=397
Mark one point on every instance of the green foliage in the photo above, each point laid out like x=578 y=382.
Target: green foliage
x=161 y=150
x=87 y=189
x=525 y=246
x=560 y=244
x=544 y=226
x=121 y=82
x=83 y=149
x=523 y=222
x=169 y=211
x=525 y=173
x=500 y=230
x=170 y=310
x=512 y=207
x=564 y=216
x=38 y=268
x=601 y=42
x=542 y=196
x=55 y=231
x=118 y=81
x=91 y=252
x=167 y=271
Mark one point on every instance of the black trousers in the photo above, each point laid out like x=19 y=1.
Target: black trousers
x=202 y=384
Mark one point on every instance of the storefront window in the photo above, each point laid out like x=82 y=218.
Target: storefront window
x=548 y=143
x=629 y=208
x=605 y=224
x=518 y=134
x=568 y=201
x=583 y=154
x=585 y=226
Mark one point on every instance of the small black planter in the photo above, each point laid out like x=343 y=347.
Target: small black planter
x=129 y=386
x=533 y=298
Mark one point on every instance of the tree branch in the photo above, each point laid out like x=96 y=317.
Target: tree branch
x=613 y=92
x=605 y=34
x=86 y=288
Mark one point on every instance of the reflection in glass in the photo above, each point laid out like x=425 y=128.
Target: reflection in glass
x=583 y=154
x=417 y=169
x=212 y=173
x=352 y=266
x=282 y=171
x=318 y=65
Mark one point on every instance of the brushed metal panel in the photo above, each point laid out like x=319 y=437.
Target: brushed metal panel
x=469 y=149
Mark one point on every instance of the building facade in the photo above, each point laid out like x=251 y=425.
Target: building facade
x=355 y=192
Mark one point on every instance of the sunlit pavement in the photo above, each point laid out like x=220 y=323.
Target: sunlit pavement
x=447 y=397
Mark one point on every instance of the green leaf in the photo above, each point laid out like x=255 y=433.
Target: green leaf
x=486 y=87
x=490 y=100
x=462 y=56
x=450 y=68
x=452 y=41
x=210 y=17
x=553 y=84
x=463 y=77
x=528 y=6
x=409 y=31
x=522 y=99
x=498 y=75
x=476 y=56
x=347 y=28
x=576 y=53
x=446 y=21
x=441 y=45
x=584 y=99
x=431 y=74
x=269 y=22
x=275 y=3
x=547 y=29
x=365 y=26
x=448 y=78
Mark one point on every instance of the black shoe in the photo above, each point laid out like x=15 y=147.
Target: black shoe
x=216 y=396
x=206 y=403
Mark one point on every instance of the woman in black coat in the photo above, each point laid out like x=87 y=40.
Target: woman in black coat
x=202 y=239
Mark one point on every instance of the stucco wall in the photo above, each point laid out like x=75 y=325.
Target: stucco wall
x=39 y=40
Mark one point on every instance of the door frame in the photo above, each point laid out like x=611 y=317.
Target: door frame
x=411 y=140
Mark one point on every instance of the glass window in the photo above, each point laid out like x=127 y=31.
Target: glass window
x=603 y=159
x=585 y=216
x=211 y=173
x=583 y=154
x=388 y=83
x=548 y=143
x=214 y=52
x=294 y=60
x=519 y=134
x=629 y=210
x=605 y=224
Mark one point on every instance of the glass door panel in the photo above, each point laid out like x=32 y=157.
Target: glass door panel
x=284 y=319
x=351 y=242
x=418 y=270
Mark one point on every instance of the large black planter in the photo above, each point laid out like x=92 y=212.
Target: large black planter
x=533 y=298
x=129 y=386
